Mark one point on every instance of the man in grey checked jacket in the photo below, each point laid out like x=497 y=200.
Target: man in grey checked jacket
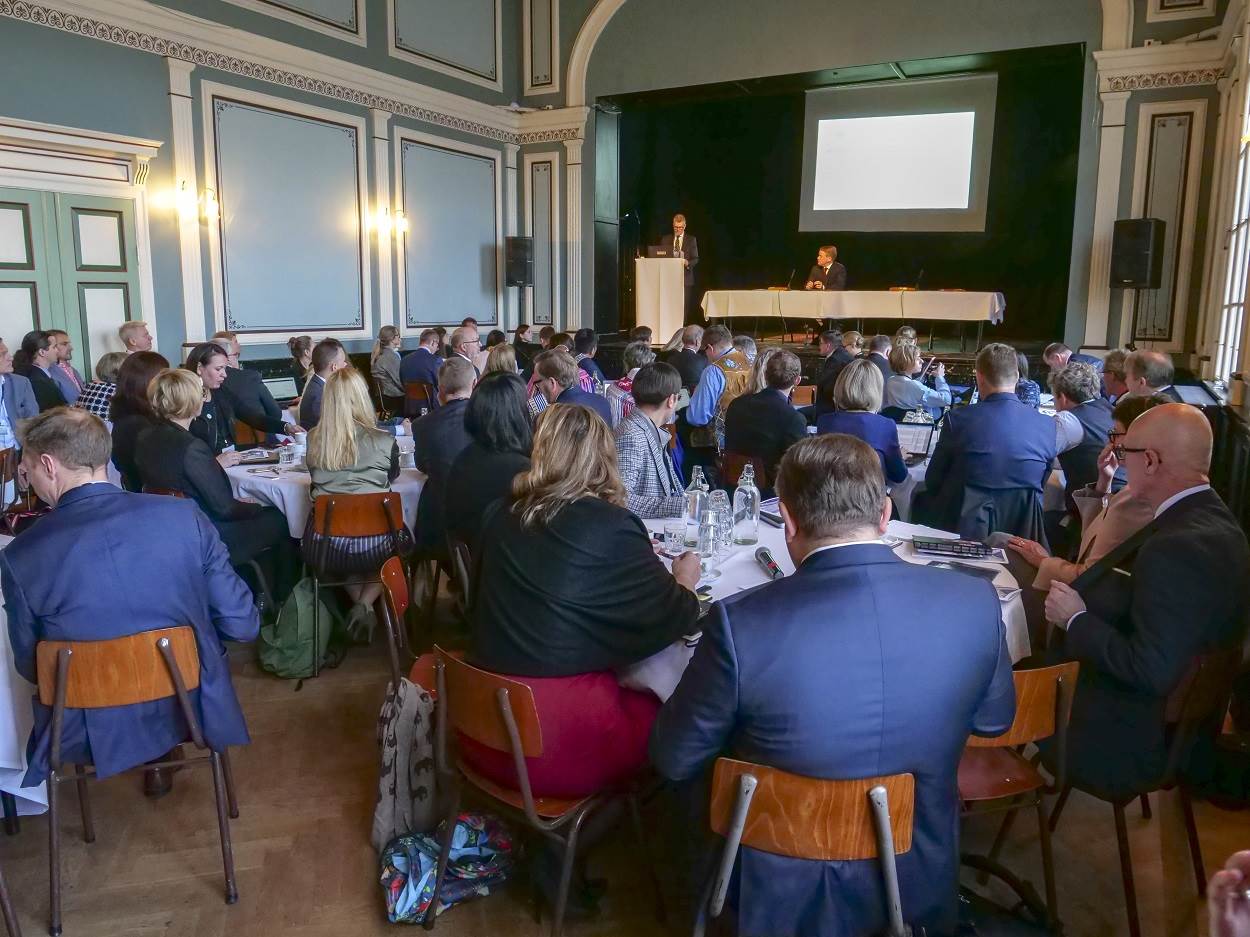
x=651 y=482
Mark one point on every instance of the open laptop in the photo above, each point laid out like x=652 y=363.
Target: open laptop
x=282 y=388
x=654 y=250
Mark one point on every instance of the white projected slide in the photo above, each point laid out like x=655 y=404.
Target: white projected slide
x=906 y=161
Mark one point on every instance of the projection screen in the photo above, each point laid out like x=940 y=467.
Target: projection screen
x=911 y=156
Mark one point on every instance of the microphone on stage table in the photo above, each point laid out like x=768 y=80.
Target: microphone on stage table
x=790 y=278
x=919 y=278
x=765 y=558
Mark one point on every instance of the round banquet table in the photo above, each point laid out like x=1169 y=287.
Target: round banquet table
x=16 y=719
x=739 y=571
x=287 y=487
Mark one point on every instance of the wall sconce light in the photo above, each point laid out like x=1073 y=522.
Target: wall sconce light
x=386 y=224
x=401 y=221
x=185 y=202
x=209 y=208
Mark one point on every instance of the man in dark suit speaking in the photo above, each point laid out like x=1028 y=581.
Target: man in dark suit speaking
x=827 y=673
x=828 y=274
x=683 y=245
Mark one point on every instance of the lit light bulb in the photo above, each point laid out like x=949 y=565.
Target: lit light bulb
x=211 y=208
x=401 y=221
x=185 y=201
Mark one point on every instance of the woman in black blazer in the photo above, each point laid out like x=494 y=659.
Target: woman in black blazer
x=171 y=458
x=215 y=422
x=130 y=413
x=497 y=420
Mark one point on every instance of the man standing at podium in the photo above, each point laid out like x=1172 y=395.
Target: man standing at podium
x=828 y=274
x=685 y=246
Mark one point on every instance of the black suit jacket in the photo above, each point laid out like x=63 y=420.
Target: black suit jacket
x=171 y=457
x=828 y=377
x=439 y=437
x=689 y=364
x=835 y=279
x=765 y=425
x=1159 y=600
x=478 y=478
x=251 y=401
x=883 y=365
x=582 y=593
x=47 y=394
x=690 y=247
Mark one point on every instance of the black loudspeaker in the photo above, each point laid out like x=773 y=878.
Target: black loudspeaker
x=519 y=261
x=1137 y=254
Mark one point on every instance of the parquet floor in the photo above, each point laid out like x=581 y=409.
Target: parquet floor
x=305 y=867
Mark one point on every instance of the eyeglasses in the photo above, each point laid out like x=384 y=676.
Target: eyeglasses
x=1119 y=450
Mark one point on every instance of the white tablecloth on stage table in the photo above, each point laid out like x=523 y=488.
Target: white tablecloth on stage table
x=740 y=571
x=16 y=719
x=289 y=492
x=952 y=306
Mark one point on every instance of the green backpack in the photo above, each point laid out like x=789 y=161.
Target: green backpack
x=285 y=648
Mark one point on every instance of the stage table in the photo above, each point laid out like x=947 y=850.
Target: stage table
x=16 y=719
x=287 y=488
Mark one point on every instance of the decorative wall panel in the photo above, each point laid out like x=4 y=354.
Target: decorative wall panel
x=542 y=212
x=105 y=306
x=460 y=38
x=16 y=252
x=19 y=311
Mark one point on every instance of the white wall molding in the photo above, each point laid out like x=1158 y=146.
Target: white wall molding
x=1155 y=13
x=584 y=45
x=278 y=10
x=462 y=72
x=183 y=144
x=1106 y=208
x=511 y=293
x=55 y=158
x=573 y=245
x=1117 y=24
x=527 y=55
x=552 y=157
x=208 y=92
x=380 y=130
x=1166 y=65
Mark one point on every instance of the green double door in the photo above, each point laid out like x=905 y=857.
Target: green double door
x=68 y=262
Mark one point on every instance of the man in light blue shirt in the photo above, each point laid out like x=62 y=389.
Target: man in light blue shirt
x=17 y=399
x=702 y=409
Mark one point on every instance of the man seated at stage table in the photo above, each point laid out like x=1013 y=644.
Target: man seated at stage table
x=1115 y=374
x=687 y=360
x=827 y=274
x=652 y=485
x=857 y=398
x=904 y=393
x=1136 y=636
x=1150 y=372
x=879 y=354
x=764 y=424
x=826 y=674
x=992 y=459
x=727 y=376
x=107 y=563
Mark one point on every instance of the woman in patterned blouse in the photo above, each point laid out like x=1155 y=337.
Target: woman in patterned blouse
x=96 y=396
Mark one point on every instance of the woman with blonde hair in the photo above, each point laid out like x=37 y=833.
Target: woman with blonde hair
x=384 y=366
x=348 y=454
x=857 y=397
x=904 y=392
x=501 y=359
x=171 y=459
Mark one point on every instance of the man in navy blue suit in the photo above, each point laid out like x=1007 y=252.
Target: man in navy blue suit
x=829 y=673
x=107 y=563
x=997 y=452
x=423 y=364
x=557 y=381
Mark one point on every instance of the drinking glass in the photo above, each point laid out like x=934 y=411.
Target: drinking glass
x=286 y=456
x=675 y=536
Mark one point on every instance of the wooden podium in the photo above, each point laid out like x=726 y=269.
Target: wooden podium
x=660 y=295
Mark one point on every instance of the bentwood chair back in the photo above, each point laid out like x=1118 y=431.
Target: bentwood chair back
x=808 y=818
x=166 y=492
x=732 y=464
x=418 y=396
x=135 y=668
x=804 y=395
x=394 y=606
x=376 y=514
x=499 y=713
x=994 y=777
x=246 y=435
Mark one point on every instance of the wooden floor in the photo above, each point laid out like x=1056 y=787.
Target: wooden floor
x=305 y=867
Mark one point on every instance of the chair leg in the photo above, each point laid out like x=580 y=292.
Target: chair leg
x=1195 y=847
x=1059 y=804
x=316 y=668
x=566 y=878
x=431 y=600
x=635 y=816
x=54 y=857
x=12 y=826
x=1145 y=807
x=228 y=772
x=444 y=854
x=6 y=908
x=223 y=827
x=1048 y=865
x=84 y=805
x=1126 y=871
x=1001 y=837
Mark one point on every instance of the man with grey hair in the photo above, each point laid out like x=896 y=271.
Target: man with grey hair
x=764 y=425
x=135 y=336
x=792 y=674
x=688 y=361
x=1114 y=374
x=465 y=344
x=438 y=437
x=17 y=399
x=91 y=547
x=1082 y=423
x=727 y=376
x=1150 y=372
x=746 y=345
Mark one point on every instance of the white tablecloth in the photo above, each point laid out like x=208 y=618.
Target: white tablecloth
x=740 y=571
x=289 y=491
x=952 y=306
x=16 y=719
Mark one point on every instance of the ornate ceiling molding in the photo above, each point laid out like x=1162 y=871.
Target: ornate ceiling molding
x=1174 y=79
x=508 y=128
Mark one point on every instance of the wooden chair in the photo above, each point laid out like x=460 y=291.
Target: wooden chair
x=364 y=515
x=166 y=492
x=394 y=603
x=995 y=777
x=804 y=395
x=1196 y=707
x=246 y=436
x=499 y=713
x=808 y=818
x=24 y=504
x=136 y=668
x=461 y=563
x=6 y=908
x=418 y=396
x=732 y=464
